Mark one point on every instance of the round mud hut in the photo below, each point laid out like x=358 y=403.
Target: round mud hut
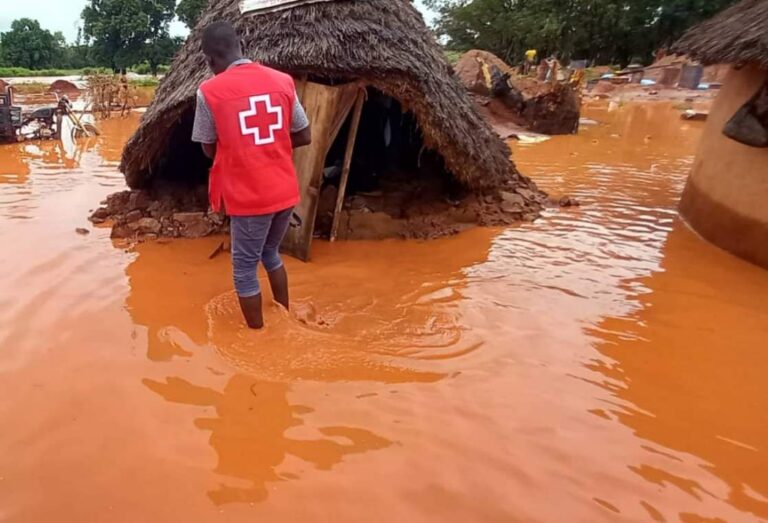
x=398 y=147
x=726 y=196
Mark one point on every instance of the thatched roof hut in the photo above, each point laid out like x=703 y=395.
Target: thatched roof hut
x=385 y=45
x=737 y=35
x=724 y=197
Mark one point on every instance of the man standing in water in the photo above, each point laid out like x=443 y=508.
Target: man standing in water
x=248 y=121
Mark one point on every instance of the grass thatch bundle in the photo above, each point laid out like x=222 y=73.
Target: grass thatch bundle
x=737 y=35
x=384 y=44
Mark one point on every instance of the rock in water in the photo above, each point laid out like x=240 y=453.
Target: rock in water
x=82 y=230
x=121 y=231
x=138 y=200
x=133 y=216
x=528 y=194
x=100 y=214
x=512 y=203
x=513 y=198
x=193 y=224
x=147 y=226
x=567 y=201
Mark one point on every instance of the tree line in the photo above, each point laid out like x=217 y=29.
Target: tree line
x=115 y=34
x=599 y=31
x=119 y=34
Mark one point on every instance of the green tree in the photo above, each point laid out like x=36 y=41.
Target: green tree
x=29 y=45
x=161 y=52
x=78 y=54
x=126 y=32
x=189 y=11
x=605 y=31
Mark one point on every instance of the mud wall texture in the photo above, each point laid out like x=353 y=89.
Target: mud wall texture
x=726 y=196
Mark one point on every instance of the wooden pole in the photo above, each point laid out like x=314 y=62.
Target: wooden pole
x=347 y=162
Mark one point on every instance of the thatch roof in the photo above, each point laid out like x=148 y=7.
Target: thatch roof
x=383 y=43
x=737 y=35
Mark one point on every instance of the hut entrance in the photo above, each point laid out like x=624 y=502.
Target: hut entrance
x=366 y=171
x=327 y=108
x=386 y=178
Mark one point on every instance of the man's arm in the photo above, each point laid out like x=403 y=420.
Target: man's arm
x=209 y=149
x=301 y=131
x=302 y=138
x=204 y=129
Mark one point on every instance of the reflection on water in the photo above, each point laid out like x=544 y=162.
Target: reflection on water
x=58 y=166
x=688 y=367
x=403 y=326
x=601 y=364
x=678 y=324
x=249 y=434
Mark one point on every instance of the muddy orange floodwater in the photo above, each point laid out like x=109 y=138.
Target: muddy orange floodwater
x=601 y=364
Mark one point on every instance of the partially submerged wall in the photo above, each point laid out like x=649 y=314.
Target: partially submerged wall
x=726 y=197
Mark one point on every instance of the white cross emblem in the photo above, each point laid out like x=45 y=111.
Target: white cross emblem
x=263 y=123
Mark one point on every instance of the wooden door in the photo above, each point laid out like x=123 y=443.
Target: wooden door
x=327 y=108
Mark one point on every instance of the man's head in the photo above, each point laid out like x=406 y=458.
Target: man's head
x=221 y=46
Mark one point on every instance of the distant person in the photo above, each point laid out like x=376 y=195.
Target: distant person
x=530 y=61
x=123 y=93
x=552 y=66
x=248 y=121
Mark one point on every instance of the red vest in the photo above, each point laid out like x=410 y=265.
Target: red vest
x=253 y=173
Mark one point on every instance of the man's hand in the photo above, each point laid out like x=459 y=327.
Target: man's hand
x=302 y=138
x=209 y=149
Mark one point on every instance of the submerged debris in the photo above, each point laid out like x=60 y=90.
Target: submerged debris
x=551 y=107
x=567 y=201
x=140 y=215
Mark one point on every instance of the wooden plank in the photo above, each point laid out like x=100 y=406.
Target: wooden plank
x=301 y=85
x=268 y=6
x=324 y=105
x=346 y=102
x=354 y=125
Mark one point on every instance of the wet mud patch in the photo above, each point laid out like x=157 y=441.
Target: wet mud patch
x=416 y=209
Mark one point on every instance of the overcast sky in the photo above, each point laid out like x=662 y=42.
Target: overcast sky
x=64 y=15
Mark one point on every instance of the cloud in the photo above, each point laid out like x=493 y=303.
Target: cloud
x=54 y=15
x=64 y=15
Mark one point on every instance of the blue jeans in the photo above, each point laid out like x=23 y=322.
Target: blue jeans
x=255 y=239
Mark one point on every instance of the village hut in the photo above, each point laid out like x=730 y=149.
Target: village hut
x=726 y=196
x=382 y=99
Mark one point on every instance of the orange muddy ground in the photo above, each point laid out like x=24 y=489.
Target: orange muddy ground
x=601 y=364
